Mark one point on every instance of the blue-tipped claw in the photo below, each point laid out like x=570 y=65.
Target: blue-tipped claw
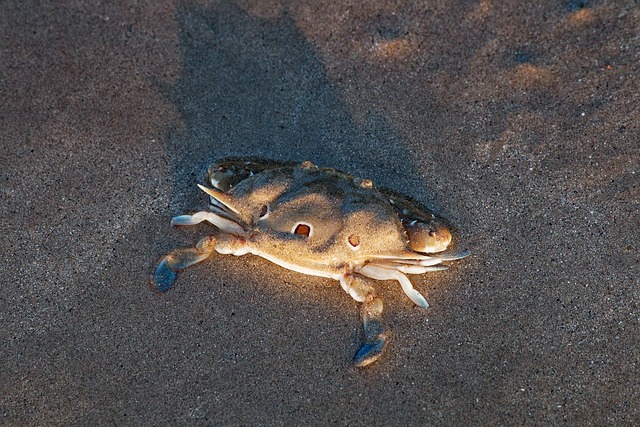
x=178 y=260
x=369 y=353
x=164 y=277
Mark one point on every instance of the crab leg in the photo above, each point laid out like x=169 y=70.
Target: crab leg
x=375 y=335
x=380 y=273
x=223 y=224
x=413 y=269
x=455 y=256
x=171 y=264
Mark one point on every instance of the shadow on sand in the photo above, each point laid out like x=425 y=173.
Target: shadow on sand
x=255 y=87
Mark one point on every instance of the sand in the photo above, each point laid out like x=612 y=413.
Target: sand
x=519 y=122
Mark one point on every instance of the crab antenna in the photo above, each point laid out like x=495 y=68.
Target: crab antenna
x=223 y=198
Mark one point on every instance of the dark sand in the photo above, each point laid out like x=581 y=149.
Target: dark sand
x=520 y=123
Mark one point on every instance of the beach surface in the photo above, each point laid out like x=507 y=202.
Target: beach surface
x=518 y=122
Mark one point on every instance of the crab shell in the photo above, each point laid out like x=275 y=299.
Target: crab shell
x=324 y=222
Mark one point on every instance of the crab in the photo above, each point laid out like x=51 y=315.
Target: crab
x=321 y=222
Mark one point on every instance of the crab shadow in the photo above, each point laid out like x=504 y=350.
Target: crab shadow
x=255 y=87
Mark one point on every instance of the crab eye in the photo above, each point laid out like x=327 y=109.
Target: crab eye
x=264 y=211
x=302 y=229
x=354 y=240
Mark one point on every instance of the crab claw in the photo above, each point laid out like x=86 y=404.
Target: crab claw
x=369 y=353
x=164 y=277
x=374 y=332
x=171 y=264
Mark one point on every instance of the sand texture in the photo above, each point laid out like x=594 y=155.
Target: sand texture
x=517 y=121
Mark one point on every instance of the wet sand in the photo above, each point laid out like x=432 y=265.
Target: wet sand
x=520 y=123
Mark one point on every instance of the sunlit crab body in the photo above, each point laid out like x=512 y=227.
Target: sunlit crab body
x=321 y=222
